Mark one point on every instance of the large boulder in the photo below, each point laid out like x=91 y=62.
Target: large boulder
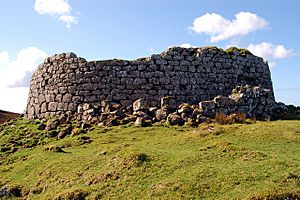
x=208 y=108
x=52 y=124
x=168 y=103
x=161 y=114
x=175 y=119
x=222 y=101
x=140 y=105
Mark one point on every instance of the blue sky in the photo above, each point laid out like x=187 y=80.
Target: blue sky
x=96 y=29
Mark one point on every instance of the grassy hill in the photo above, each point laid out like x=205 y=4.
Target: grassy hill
x=239 y=161
x=6 y=116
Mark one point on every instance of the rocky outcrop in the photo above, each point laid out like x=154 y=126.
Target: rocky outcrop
x=187 y=75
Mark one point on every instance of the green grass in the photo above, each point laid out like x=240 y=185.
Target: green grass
x=239 y=161
x=241 y=51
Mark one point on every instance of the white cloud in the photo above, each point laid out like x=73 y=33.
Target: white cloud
x=14 y=99
x=15 y=75
x=57 y=8
x=68 y=19
x=268 y=50
x=183 y=45
x=220 y=28
x=186 y=45
x=52 y=7
x=272 y=64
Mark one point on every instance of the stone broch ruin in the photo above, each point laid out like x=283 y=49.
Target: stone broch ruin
x=64 y=82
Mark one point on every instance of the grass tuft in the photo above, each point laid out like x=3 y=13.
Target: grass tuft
x=239 y=117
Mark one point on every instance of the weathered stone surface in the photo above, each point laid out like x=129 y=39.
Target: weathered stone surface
x=42 y=126
x=222 y=101
x=66 y=131
x=140 y=105
x=168 y=103
x=185 y=108
x=142 y=121
x=175 y=119
x=52 y=124
x=187 y=75
x=52 y=106
x=253 y=101
x=207 y=105
x=161 y=114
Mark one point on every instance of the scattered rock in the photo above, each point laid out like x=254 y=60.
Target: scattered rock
x=185 y=108
x=118 y=114
x=161 y=114
x=127 y=120
x=140 y=105
x=54 y=148
x=77 y=194
x=111 y=122
x=52 y=124
x=66 y=131
x=207 y=105
x=222 y=101
x=175 y=119
x=42 y=126
x=85 y=125
x=52 y=134
x=168 y=103
x=84 y=140
x=142 y=121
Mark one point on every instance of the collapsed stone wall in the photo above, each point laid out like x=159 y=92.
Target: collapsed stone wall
x=190 y=75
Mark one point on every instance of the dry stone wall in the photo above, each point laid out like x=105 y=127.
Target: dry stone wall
x=190 y=75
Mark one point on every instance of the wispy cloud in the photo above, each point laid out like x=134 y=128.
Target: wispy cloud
x=220 y=28
x=60 y=9
x=68 y=19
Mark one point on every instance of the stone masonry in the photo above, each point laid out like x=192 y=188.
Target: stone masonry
x=190 y=75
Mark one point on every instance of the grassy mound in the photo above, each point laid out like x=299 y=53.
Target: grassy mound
x=6 y=116
x=237 y=161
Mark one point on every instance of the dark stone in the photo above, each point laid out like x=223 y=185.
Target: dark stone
x=168 y=103
x=140 y=105
x=175 y=119
x=103 y=117
x=185 y=108
x=118 y=114
x=85 y=125
x=63 y=133
x=161 y=114
x=222 y=101
x=142 y=121
x=10 y=191
x=111 y=122
x=52 y=124
x=52 y=134
x=42 y=126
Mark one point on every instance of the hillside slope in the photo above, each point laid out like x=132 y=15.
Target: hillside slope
x=6 y=116
x=239 y=161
